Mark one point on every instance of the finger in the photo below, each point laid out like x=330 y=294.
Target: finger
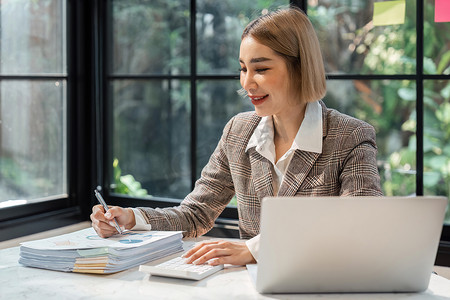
x=98 y=213
x=114 y=212
x=98 y=210
x=229 y=259
x=207 y=252
x=195 y=250
x=200 y=245
x=98 y=207
x=213 y=254
x=104 y=230
x=218 y=261
x=102 y=225
x=194 y=254
x=225 y=252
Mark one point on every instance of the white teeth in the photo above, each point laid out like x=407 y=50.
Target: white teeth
x=259 y=98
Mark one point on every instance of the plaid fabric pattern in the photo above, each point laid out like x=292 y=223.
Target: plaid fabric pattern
x=347 y=167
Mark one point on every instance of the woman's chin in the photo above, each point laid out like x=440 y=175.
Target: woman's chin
x=261 y=113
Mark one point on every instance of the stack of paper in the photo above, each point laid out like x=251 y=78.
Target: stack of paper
x=85 y=252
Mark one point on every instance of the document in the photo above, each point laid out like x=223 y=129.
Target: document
x=85 y=252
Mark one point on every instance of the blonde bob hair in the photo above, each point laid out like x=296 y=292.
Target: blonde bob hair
x=291 y=35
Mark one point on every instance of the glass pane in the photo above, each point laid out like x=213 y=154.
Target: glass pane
x=32 y=140
x=436 y=46
x=150 y=37
x=32 y=37
x=352 y=45
x=151 y=137
x=388 y=105
x=436 y=140
x=211 y=117
x=219 y=29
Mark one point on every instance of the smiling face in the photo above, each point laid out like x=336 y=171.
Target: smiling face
x=265 y=77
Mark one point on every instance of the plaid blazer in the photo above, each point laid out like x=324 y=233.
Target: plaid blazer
x=347 y=167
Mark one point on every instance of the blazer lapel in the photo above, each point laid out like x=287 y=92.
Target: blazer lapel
x=298 y=169
x=302 y=163
x=261 y=174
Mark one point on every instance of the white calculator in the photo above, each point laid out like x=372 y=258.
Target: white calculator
x=177 y=268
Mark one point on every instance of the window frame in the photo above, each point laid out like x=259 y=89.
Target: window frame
x=88 y=126
x=230 y=215
x=63 y=210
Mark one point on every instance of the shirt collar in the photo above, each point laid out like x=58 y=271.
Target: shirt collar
x=308 y=138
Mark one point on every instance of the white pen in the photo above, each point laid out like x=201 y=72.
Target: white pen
x=102 y=202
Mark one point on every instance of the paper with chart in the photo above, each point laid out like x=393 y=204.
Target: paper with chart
x=84 y=251
x=88 y=239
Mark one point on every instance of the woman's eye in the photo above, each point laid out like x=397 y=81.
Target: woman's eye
x=262 y=70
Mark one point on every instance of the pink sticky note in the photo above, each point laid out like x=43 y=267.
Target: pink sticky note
x=442 y=11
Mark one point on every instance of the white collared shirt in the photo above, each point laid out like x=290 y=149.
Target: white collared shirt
x=308 y=138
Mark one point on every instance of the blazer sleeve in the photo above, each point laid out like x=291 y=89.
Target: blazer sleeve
x=197 y=213
x=359 y=176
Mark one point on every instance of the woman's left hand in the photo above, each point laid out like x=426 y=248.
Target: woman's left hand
x=219 y=253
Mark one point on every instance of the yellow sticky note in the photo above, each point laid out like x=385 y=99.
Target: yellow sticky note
x=389 y=13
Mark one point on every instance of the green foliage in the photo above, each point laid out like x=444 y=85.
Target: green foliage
x=10 y=171
x=436 y=142
x=352 y=45
x=126 y=184
x=399 y=175
x=151 y=119
x=17 y=182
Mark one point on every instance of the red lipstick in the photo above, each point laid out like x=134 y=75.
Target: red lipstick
x=257 y=100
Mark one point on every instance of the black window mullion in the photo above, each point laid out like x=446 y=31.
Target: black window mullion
x=419 y=97
x=193 y=71
x=97 y=91
x=80 y=103
x=302 y=4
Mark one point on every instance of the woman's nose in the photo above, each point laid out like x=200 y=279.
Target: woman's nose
x=248 y=82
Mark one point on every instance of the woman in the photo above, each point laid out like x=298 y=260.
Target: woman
x=292 y=144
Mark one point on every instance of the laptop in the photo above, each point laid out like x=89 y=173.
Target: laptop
x=348 y=244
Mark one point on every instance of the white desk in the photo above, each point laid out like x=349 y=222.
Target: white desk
x=18 y=282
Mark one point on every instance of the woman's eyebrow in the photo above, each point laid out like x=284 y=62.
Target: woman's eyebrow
x=256 y=60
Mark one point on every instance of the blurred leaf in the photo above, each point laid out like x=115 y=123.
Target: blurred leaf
x=443 y=114
x=446 y=150
x=126 y=184
x=430 y=102
x=134 y=187
x=407 y=94
x=409 y=125
x=412 y=144
x=428 y=66
x=430 y=179
x=117 y=170
x=445 y=92
x=445 y=60
x=428 y=144
x=436 y=162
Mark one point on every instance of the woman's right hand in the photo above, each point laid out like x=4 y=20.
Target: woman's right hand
x=103 y=223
